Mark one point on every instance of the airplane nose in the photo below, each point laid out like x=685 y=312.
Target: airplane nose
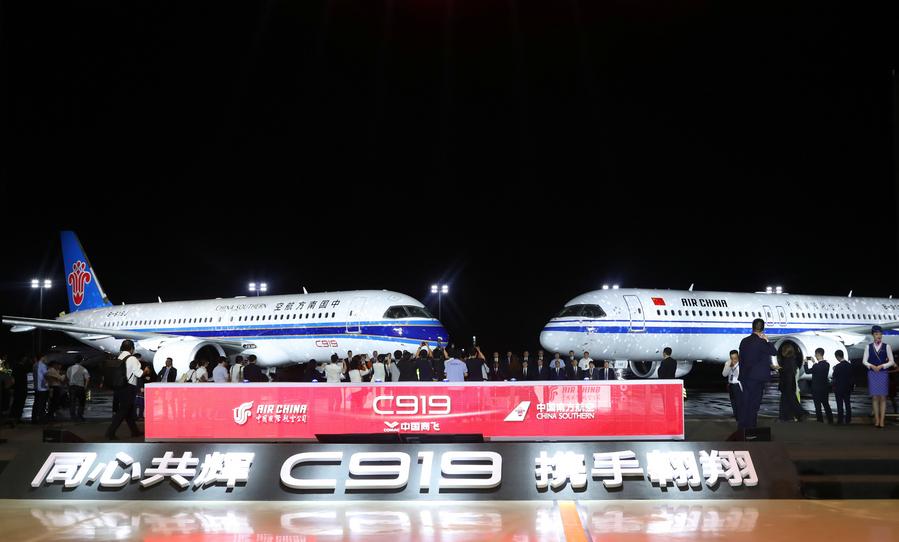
x=550 y=340
x=553 y=340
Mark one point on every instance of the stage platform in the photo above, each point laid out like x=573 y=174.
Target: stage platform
x=568 y=521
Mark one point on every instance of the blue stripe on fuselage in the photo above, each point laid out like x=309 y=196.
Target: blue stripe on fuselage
x=390 y=331
x=692 y=330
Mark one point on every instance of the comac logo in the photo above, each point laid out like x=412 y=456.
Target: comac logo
x=518 y=413
x=77 y=279
x=242 y=413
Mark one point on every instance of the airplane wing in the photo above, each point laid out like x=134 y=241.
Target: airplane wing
x=20 y=324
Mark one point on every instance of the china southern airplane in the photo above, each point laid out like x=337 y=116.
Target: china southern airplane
x=635 y=325
x=277 y=329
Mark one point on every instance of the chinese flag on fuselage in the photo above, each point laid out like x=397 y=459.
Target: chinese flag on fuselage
x=658 y=301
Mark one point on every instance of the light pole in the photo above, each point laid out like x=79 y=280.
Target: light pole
x=439 y=289
x=262 y=287
x=40 y=285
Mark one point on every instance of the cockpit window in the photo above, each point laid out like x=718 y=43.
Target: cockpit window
x=587 y=311
x=418 y=312
x=395 y=312
x=407 y=311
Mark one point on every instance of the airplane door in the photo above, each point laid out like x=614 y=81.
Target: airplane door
x=782 y=315
x=635 y=308
x=770 y=316
x=355 y=316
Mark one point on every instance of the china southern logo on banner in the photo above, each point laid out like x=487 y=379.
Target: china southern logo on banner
x=77 y=279
x=273 y=413
x=519 y=413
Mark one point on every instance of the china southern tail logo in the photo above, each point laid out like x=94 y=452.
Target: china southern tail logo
x=77 y=279
x=242 y=413
x=519 y=413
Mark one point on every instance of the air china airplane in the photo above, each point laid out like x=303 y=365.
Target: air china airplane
x=277 y=329
x=635 y=325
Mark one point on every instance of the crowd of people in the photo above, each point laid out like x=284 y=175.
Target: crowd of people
x=749 y=370
x=442 y=364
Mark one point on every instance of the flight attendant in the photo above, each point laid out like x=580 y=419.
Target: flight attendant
x=878 y=359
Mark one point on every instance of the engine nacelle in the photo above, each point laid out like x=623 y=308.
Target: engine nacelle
x=650 y=369
x=808 y=344
x=182 y=353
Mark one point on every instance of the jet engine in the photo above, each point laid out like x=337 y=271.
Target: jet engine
x=182 y=353
x=650 y=369
x=807 y=344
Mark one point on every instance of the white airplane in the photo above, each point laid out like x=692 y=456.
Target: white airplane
x=633 y=326
x=277 y=329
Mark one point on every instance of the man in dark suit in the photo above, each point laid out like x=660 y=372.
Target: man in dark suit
x=820 y=369
x=604 y=372
x=573 y=372
x=539 y=371
x=842 y=387
x=557 y=369
x=252 y=372
x=496 y=371
x=168 y=373
x=668 y=367
x=755 y=371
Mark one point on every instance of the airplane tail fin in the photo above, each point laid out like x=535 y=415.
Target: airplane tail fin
x=82 y=284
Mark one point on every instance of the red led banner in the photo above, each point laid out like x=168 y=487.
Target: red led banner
x=588 y=410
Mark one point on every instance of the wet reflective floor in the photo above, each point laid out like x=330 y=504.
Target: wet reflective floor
x=456 y=521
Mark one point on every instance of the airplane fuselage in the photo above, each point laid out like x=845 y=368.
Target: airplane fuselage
x=277 y=329
x=637 y=324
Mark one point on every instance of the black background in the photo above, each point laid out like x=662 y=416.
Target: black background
x=523 y=151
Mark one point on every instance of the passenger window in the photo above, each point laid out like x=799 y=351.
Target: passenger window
x=333 y=314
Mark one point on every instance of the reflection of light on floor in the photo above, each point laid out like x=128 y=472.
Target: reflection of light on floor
x=454 y=521
x=322 y=523
x=675 y=519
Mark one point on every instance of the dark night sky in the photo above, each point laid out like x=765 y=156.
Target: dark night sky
x=524 y=151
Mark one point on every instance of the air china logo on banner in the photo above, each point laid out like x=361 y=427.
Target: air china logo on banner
x=77 y=279
x=242 y=413
x=276 y=414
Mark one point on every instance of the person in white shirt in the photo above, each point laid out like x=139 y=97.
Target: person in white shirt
x=456 y=369
x=393 y=368
x=731 y=372
x=78 y=379
x=357 y=371
x=378 y=370
x=585 y=362
x=220 y=373
x=237 y=370
x=334 y=370
x=127 y=393
x=200 y=375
